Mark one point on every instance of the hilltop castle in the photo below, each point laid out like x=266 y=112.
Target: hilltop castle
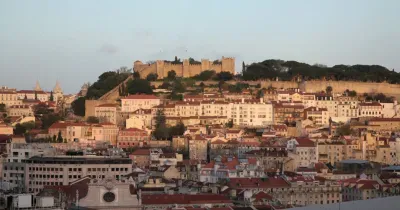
x=185 y=68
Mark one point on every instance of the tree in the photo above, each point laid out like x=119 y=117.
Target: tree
x=54 y=140
x=165 y=85
x=49 y=119
x=177 y=130
x=178 y=87
x=224 y=76
x=328 y=89
x=78 y=106
x=202 y=85
x=243 y=67
x=152 y=77
x=51 y=96
x=41 y=109
x=36 y=97
x=205 y=75
x=344 y=130
x=176 y=96
x=2 y=107
x=106 y=82
x=92 y=120
x=19 y=129
x=59 y=137
x=139 y=86
x=25 y=97
x=28 y=125
x=229 y=124
x=260 y=93
x=171 y=75
x=161 y=130
x=136 y=75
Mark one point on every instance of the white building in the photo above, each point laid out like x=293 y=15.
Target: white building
x=305 y=150
x=251 y=113
x=62 y=170
x=370 y=109
x=132 y=103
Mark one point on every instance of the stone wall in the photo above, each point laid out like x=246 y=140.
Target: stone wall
x=161 y=68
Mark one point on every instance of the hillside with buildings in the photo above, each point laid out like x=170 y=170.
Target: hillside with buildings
x=210 y=141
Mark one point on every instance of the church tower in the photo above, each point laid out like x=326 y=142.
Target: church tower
x=37 y=87
x=57 y=88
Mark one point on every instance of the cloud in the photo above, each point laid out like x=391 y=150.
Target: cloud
x=108 y=48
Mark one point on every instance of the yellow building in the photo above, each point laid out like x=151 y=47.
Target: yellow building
x=107 y=113
x=6 y=130
x=9 y=97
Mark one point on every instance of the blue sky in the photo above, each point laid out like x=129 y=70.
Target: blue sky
x=75 y=41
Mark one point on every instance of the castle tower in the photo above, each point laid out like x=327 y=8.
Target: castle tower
x=228 y=64
x=37 y=87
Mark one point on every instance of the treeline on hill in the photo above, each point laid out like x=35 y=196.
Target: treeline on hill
x=106 y=82
x=289 y=70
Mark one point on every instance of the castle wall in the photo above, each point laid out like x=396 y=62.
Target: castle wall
x=216 y=67
x=195 y=69
x=161 y=68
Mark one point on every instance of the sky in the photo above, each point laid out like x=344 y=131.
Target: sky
x=75 y=41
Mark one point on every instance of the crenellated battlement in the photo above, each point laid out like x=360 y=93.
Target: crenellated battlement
x=184 y=69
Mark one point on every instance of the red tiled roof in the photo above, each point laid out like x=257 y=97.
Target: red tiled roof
x=141 y=152
x=311 y=108
x=31 y=92
x=140 y=96
x=370 y=104
x=107 y=105
x=184 y=199
x=262 y=196
x=305 y=142
x=384 y=120
x=270 y=182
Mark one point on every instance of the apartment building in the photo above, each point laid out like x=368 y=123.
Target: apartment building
x=20 y=110
x=230 y=167
x=106 y=132
x=336 y=151
x=187 y=109
x=347 y=109
x=364 y=189
x=83 y=131
x=327 y=101
x=309 y=100
x=6 y=130
x=306 y=151
x=288 y=112
x=253 y=113
x=9 y=97
x=288 y=190
x=108 y=113
x=198 y=148
x=168 y=109
x=214 y=108
x=33 y=95
x=132 y=103
x=132 y=137
x=319 y=116
x=14 y=168
x=141 y=118
x=370 y=109
x=61 y=170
